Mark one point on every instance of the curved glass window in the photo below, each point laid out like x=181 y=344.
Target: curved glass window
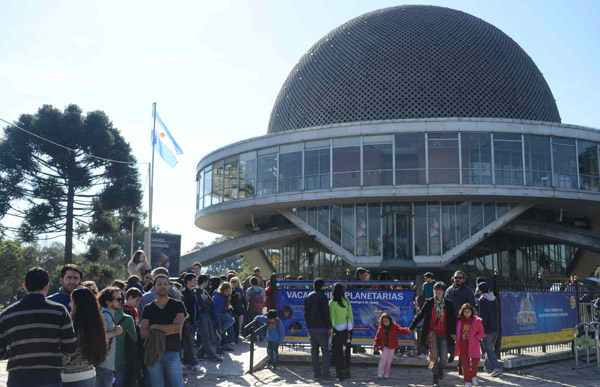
x=266 y=182
x=230 y=190
x=313 y=217
x=462 y=218
x=420 y=215
x=290 y=168
x=433 y=217
x=378 y=163
x=348 y=227
x=410 y=158
x=362 y=248
x=217 y=182
x=324 y=220
x=207 y=186
x=587 y=153
x=247 y=174
x=538 y=162
x=448 y=226
x=565 y=162
x=508 y=159
x=476 y=217
x=346 y=162
x=199 y=190
x=476 y=151
x=316 y=165
x=336 y=224
x=443 y=158
x=374 y=229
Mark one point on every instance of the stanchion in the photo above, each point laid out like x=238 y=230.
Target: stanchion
x=587 y=342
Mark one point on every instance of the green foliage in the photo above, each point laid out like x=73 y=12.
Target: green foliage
x=235 y=262
x=12 y=269
x=54 y=190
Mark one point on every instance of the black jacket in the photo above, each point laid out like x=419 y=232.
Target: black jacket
x=189 y=300
x=205 y=302
x=487 y=309
x=316 y=311
x=425 y=315
x=460 y=296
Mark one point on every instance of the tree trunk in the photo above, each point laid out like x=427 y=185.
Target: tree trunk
x=69 y=225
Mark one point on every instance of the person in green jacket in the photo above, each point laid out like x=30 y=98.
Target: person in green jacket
x=128 y=325
x=342 y=320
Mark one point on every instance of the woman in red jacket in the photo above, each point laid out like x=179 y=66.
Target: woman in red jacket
x=469 y=330
x=386 y=340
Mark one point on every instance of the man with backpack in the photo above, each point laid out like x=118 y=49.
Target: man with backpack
x=129 y=333
x=256 y=299
x=110 y=299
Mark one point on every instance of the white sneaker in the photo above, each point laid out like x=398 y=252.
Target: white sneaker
x=468 y=384
x=379 y=376
x=386 y=376
x=422 y=356
x=474 y=381
x=197 y=368
x=496 y=373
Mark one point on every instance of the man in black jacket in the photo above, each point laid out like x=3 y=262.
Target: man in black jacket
x=488 y=311
x=439 y=318
x=318 y=323
x=459 y=293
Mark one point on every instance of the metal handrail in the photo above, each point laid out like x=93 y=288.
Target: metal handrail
x=586 y=329
x=252 y=335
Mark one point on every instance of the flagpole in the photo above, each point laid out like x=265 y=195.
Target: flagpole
x=151 y=196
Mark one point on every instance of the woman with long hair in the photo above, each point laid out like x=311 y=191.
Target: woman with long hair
x=92 y=345
x=342 y=320
x=138 y=264
x=237 y=301
x=223 y=320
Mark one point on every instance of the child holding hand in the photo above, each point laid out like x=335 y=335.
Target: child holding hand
x=469 y=330
x=386 y=340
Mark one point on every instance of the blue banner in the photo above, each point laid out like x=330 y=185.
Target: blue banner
x=533 y=318
x=367 y=306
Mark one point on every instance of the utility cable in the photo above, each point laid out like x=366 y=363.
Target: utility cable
x=70 y=149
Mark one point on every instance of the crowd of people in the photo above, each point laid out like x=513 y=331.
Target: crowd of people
x=145 y=330
x=454 y=321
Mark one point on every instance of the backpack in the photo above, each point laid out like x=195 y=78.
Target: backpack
x=257 y=302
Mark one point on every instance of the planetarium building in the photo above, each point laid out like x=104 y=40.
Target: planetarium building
x=407 y=139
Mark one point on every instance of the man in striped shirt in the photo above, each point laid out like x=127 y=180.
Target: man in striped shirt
x=34 y=335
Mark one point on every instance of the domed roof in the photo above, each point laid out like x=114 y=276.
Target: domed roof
x=412 y=62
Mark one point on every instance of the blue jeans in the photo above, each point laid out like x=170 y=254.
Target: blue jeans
x=442 y=354
x=272 y=352
x=206 y=332
x=104 y=377
x=81 y=383
x=320 y=340
x=490 y=358
x=188 y=349
x=120 y=374
x=33 y=382
x=226 y=328
x=169 y=364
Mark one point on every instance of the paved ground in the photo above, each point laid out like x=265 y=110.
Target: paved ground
x=232 y=373
x=555 y=374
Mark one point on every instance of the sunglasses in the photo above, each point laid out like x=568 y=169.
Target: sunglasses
x=460 y=278
x=120 y=299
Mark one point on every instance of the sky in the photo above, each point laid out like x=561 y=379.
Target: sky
x=214 y=68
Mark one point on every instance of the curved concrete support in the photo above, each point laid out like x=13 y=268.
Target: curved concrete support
x=557 y=233
x=244 y=243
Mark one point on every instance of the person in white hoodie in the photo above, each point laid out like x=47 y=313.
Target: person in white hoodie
x=487 y=307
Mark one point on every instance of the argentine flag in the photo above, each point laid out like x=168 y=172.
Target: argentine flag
x=164 y=143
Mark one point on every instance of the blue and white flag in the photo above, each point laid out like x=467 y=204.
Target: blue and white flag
x=164 y=143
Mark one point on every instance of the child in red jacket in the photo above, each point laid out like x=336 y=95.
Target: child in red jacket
x=386 y=340
x=469 y=331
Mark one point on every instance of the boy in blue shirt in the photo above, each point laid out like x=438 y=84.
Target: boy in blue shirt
x=275 y=335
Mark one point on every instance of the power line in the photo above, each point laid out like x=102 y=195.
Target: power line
x=67 y=148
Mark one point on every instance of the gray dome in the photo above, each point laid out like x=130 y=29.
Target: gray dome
x=412 y=62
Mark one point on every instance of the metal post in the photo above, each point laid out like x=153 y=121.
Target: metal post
x=273 y=292
x=576 y=297
x=251 y=370
x=496 y=290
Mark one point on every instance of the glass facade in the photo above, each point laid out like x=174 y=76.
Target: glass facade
x=508 y=159
x=565 y=162
x=403 y=159
x=387 y=230
x=346 y=162
x=443 y=158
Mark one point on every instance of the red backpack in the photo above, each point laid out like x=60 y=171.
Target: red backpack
x=257 y=302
